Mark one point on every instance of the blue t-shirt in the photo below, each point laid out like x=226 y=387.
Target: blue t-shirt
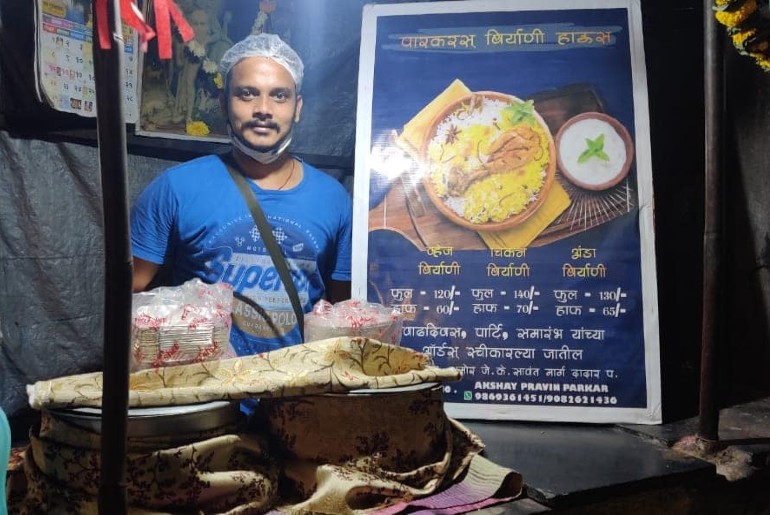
x=193 y=218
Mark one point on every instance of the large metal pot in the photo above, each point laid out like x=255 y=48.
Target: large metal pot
x=160 y=421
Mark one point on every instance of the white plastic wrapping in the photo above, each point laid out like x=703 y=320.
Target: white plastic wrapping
x=181 y=324
x=354 y=318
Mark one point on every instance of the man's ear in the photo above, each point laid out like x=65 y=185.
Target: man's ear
x=298 y=109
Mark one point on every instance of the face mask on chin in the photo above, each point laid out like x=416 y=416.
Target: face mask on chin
x=266 y=157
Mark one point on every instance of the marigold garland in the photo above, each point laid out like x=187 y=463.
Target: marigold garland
x=197 y=128
x=196 y=53
x=748 y=26
x=266 y=7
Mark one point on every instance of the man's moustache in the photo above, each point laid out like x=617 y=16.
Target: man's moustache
x=257 y=125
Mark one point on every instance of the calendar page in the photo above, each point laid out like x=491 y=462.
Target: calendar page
x=64 y=58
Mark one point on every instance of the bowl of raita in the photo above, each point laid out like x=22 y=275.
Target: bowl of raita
x=594 y=151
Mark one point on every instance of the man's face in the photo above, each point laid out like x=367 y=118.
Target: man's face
x=262 y=104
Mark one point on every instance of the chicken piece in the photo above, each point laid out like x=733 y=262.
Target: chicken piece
x=513 y=149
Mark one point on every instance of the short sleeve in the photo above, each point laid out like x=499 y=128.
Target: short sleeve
x=153 y=216
x=342 y=266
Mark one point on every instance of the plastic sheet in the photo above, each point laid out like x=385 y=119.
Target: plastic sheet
x=181 y=324
x=354 y=318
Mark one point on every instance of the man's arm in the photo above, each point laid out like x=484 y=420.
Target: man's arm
x=337 y=291
x=144 y=272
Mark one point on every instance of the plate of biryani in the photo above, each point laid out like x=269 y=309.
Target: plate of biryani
x=490 y=161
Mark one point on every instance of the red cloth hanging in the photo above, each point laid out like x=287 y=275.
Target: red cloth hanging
x=165 y=11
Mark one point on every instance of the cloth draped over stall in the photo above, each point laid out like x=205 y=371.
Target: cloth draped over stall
x=318 y=443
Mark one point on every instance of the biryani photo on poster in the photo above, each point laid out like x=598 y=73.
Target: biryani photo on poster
x=487 y=169
x=180 y=96
x=489 y=160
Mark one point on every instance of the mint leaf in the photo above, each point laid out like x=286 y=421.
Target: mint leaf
x=594 y=148
x=585 y=156
x=596 y=145
x=520 y=112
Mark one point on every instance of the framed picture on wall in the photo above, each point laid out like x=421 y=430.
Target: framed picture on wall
x=179 y=97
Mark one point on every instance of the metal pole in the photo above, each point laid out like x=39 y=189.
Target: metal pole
x=108 y=77
x=708 y=427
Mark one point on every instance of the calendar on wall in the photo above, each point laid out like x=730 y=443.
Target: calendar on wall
x=64 y=59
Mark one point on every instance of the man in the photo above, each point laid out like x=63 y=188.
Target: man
x=193 y=218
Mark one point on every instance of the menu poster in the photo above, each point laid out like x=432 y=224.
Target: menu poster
x=503 y=202
x=64 y=59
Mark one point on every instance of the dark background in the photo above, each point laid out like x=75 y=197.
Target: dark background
x=51 y=237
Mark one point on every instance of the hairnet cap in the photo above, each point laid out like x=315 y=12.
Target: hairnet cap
x=264 y=45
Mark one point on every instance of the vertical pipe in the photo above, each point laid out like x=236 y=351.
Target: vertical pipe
x=708 y=426
x=108 y=76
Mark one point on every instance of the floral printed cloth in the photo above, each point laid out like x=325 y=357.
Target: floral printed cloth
x=348 y=453
x=314 y=446
x=219 y=472
x=323 y=366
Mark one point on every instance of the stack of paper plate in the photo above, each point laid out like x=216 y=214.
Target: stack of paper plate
x=178 y=344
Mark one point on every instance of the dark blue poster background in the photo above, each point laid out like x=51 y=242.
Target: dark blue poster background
x=406 y=81
x=559 y=329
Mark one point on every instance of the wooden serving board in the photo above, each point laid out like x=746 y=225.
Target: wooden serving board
x=408 y=210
